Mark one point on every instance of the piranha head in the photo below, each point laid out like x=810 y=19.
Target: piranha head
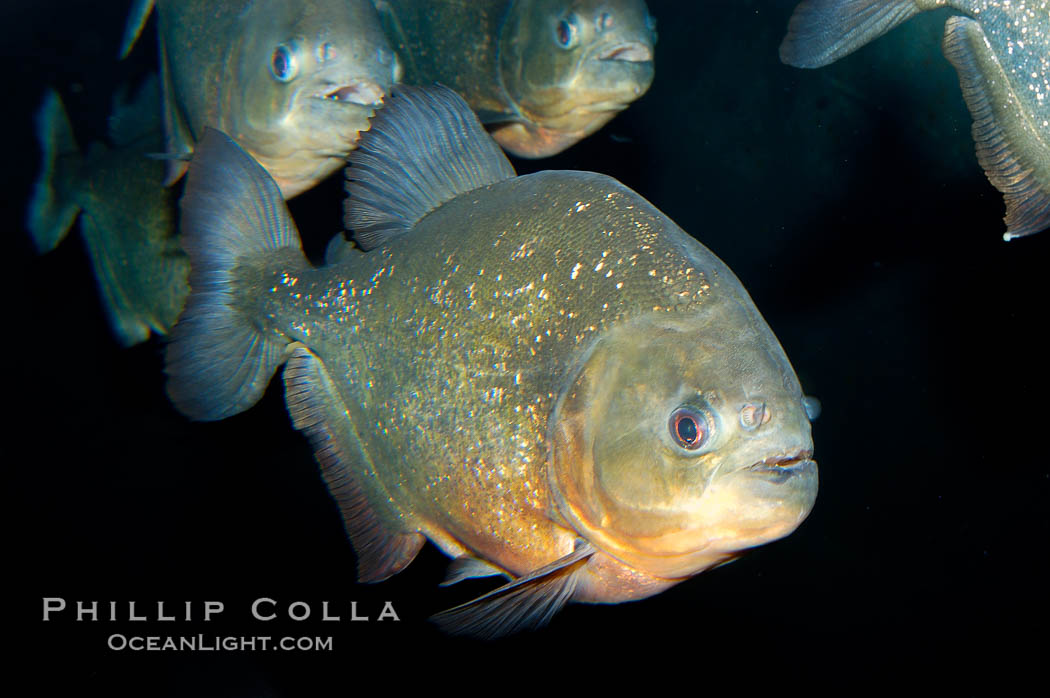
x=570 y=66
x=311 y=75
x=681 y=440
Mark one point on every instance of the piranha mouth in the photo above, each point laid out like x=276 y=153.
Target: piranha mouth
x=362 y=92
x=631 y=52
x=781 y=468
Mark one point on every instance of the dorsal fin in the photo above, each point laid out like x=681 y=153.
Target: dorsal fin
x=424 y=147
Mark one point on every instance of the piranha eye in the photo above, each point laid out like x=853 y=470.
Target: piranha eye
x=566 y=32
x=690 y=428
x=283 y=65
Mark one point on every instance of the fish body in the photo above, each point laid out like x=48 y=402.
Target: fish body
x=541 y=74
x=127 y=216
x=543 y=375
x=294 y=82
x=1001 y=51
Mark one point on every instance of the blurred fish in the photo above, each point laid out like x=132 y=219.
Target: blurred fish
x=127 y=216
x=1002 y=54
x=543 y=375
x=541 y=74
x=293 y=81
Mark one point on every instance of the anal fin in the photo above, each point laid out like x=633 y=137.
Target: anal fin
x=317 y=410
x=527 y=603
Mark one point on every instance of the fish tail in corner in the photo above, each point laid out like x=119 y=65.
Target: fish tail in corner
x=1004 y=142
x=822 y=31
x=51 y=207
x=233 y=216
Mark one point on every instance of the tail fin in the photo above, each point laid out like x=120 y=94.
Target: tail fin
x=51 y=211
x=218 y=361
x=822 y=31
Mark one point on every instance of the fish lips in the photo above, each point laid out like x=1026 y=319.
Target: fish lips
x=628 y=51
x=356 y=91
x=781 y=469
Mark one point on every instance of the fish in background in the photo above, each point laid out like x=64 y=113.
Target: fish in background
x=293 y=81
x=543 y=375
x=541 y=74
x=1001 y=52
x=127 y=215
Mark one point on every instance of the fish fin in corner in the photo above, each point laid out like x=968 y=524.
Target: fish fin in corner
x=137 y=17
x=218 y=362
x=178 y=141
x=822 y=31
x=317 y=410
x=527 y=603
x=1003 y=136
x=52 y=209
x=424 y=147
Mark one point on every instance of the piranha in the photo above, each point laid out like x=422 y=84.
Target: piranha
x=542 y=74
x=543 y=375
x=127 y=216
x=1001 y=52
x=293 y=81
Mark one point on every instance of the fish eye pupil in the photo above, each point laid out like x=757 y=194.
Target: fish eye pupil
x=282 y=65
x=566 y=33
x=688 y=428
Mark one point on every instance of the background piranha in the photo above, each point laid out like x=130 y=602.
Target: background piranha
x=127 y=215
x=542 y=74
x=292 y=81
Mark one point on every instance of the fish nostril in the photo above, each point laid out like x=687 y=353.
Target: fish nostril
x=753 y=415
x=605 y=21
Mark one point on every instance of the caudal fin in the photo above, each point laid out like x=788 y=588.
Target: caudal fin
x=822 y=31
x=218 y=362
x=51 y=208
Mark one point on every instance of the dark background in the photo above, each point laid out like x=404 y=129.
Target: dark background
x=849 y=202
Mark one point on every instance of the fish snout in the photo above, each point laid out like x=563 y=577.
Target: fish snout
x=629 y=51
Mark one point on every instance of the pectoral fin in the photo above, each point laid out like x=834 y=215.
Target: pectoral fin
x=318 y=411
x=526 y=603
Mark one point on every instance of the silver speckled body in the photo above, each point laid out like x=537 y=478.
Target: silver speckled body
x=450 y=346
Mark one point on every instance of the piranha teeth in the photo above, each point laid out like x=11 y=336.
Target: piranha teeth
x=632 y=52
x=362 y=92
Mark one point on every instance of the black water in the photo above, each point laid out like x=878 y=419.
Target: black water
x=849 y=202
